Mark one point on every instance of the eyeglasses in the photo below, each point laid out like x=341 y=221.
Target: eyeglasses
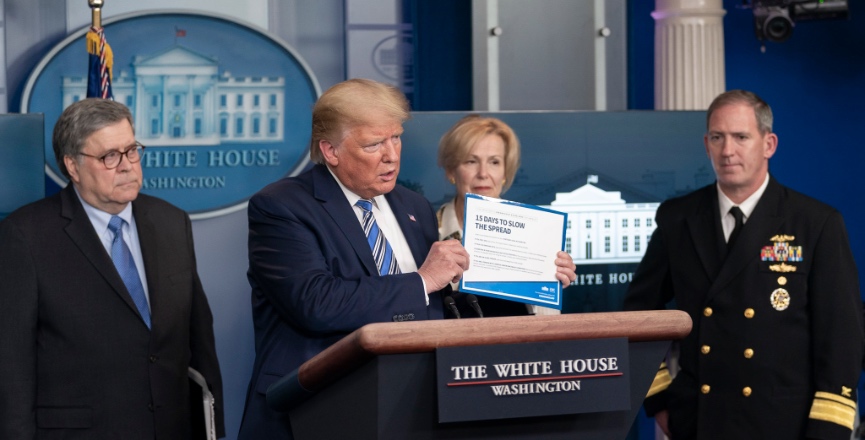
x=112 y=159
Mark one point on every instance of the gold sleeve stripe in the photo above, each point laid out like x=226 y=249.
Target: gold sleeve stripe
x=835 y=397
x=833 y=408
x=662 y=381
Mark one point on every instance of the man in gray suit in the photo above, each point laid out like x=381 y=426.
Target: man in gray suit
x=102 y=308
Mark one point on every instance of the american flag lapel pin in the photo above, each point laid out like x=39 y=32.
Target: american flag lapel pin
x=411 y=217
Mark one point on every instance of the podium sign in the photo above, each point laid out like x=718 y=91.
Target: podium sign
x=390 y=380
x=532 y=379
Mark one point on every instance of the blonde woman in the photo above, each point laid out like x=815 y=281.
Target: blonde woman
x=481 y=155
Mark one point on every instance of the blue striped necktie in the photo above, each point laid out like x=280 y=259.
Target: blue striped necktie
x=381 y=251
x=126 y=268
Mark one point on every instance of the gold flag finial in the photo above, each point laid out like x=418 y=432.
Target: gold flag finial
x=96 y=9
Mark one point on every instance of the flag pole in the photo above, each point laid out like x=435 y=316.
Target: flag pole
x=96 y=12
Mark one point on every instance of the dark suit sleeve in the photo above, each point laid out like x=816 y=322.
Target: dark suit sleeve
x=18 y=303
x=201 y=340
x=651 y=289
x=303 y=265
x=836 y=332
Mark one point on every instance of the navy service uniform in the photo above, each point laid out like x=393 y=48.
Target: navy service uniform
x=777 y=340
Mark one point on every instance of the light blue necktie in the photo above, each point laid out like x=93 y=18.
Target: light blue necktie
x=381 y=251
x=126 y=268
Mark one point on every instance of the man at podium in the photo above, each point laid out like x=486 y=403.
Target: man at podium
x=341 y=245
x=768 y=278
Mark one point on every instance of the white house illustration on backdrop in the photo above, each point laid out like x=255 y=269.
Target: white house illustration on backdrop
x=602 y=228
x=177 y=98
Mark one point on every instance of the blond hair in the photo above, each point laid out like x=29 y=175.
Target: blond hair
x=456 y=144
x=352 y=103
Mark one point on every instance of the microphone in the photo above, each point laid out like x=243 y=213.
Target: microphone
x=452 y=306
x=473 y=301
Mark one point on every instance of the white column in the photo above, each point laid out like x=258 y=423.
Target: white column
x=689 y=53
x=190 y=108
x=485 y=50
x=166 y=117
x=600 y=55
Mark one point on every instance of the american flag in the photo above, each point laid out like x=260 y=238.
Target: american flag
x=101 y=61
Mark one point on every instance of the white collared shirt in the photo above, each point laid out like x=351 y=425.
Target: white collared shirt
x=728 y=222
x=99 y=219
x=386 y=221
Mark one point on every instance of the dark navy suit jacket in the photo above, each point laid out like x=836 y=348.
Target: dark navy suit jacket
x=314 y=280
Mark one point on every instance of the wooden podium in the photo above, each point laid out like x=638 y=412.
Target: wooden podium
x=380 y=381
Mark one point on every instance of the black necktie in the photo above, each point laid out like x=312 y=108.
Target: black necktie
x=740 y=217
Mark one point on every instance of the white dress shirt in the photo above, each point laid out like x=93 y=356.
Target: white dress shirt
x=728 y=222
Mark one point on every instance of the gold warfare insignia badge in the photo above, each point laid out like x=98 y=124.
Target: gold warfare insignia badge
x=780 y=299
x=782 y=252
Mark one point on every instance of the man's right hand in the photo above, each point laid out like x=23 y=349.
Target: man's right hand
x=445 y=263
